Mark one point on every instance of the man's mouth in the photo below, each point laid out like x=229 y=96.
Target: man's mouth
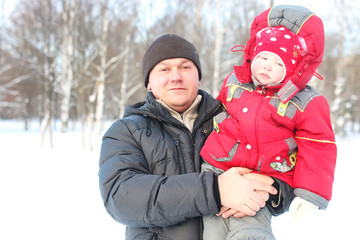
x=178 y=88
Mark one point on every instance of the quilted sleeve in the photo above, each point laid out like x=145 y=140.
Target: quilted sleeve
x=316 y=157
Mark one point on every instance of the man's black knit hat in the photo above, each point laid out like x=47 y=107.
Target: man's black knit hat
x=165 y=47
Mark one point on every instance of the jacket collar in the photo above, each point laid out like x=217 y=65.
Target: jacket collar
x=188 y=116
x=207 y=108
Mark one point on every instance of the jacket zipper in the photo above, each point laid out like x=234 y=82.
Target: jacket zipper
x=217 y=110
x=182 y=164
x=177 y=142
x=192 y=135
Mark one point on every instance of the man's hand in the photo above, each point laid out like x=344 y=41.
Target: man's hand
x=228 y=212
x=239 y=193
x=259 y=177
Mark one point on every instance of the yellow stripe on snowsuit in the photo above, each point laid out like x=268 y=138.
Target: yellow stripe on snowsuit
x=304 y=23
x=233 y=88
x=267 y=17
x=232 y=91
x=216 y=126
x=316 y=140
x=282 y=108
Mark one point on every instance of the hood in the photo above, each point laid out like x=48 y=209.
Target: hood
x=300 y=21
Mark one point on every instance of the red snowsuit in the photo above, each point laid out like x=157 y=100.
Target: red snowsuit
x=285 y=131
x=294 y=143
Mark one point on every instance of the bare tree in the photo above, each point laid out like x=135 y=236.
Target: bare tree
x=2 y=27
x=48 y=68
x=338 y=106
x=33 y=49
x=67 y=54
x=89 y=68
x=125 y=78
x=105 y=68
x=46 y=124
x=219 y=34
x=86 y=51
x=100 y=84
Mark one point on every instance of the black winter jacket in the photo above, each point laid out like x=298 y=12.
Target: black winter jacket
x=150 y=176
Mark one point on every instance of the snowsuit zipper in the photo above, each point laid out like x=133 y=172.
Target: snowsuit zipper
x=261 y=105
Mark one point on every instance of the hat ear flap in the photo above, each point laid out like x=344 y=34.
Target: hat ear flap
x=249 y=49
x=245 y=68
x=297 y=81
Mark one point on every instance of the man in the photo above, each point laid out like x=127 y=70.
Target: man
x=149 y=174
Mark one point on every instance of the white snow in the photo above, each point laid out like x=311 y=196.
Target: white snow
x=53 y=193
x=50 y=193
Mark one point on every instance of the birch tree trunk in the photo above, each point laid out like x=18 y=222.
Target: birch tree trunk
x=48 y=73
x=125 y=78
x=125 y=91
x=217 y=50
x=101 y=80
x=49 y=90
x=337 y=107
x=90 y=125
x=80 y=102
x=67 y=61
x=46 y=125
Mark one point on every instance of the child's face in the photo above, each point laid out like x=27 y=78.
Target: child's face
x=268 y=68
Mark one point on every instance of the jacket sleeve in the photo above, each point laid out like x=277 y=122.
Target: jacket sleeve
x=316 y=157
x=135 y=197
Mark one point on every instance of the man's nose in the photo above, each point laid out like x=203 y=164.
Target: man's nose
x=175 y=75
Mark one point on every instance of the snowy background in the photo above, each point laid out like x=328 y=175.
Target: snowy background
x=53 y=193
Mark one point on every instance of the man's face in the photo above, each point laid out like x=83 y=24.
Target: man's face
x=176 y=82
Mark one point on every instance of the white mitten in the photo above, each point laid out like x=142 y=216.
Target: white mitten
x=302 y=210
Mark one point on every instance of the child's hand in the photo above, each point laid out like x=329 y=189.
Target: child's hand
x=302 y=210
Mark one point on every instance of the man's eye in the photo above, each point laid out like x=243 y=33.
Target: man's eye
x=186 y=67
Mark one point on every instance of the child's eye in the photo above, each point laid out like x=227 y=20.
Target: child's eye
x=280 y=64
x=265 y=58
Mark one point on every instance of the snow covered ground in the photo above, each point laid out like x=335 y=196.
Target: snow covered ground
x=53 y=193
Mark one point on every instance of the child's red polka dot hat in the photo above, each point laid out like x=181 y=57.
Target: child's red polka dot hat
x=282 y=42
